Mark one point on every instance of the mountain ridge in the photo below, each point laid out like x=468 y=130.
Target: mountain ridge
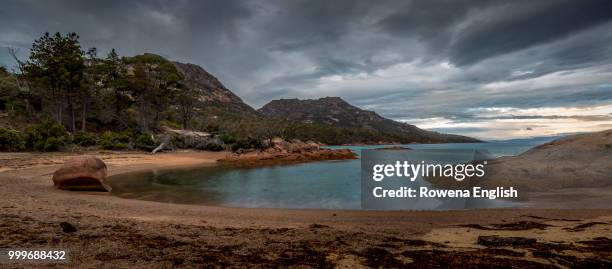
x=335 y=111
x=205 y=103
x=210 y=88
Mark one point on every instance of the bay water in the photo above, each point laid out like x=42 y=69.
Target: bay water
x=322 y=185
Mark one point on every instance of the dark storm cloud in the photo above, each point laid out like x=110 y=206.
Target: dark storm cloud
x=178 y=29
x=304 y=24
x=518 y=25
x=202 y=30
x=430 y=21
x=404 y=59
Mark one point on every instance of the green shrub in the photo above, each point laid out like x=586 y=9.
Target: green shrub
x=84 y=139
x=53 y=144
x=145 y=142
x=246 y=143
x=114 y=141
x=178 y=141
x=120 y=146
x=11 y=140
x=213 y=147
x=46 y=136
x=228 y=138
x=171 y=124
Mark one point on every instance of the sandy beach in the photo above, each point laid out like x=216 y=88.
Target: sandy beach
x=113 y=232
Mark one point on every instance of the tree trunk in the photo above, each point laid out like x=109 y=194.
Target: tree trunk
x=72 y=116
x=121 y=121
x=117 y=103
x=58 y=105
x=59 y=113
x=28 y=109
x=155 y=119
x=145 y=126
x=84 y=117
x=72 y=119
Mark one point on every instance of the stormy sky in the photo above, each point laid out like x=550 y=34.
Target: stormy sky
x=489 y=69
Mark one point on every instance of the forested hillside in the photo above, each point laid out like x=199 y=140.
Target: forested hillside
x=63 y=95
x=337 y=112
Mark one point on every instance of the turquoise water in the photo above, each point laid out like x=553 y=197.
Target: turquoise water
x=329 y=184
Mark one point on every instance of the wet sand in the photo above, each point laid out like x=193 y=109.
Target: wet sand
x=112 y=232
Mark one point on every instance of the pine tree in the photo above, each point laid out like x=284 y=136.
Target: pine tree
x=56 y=65
x=115 y=84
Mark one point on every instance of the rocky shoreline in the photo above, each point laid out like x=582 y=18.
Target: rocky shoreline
x=280 y=151
x=576 y=161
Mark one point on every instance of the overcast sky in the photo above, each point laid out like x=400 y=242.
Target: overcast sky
x=489 y=69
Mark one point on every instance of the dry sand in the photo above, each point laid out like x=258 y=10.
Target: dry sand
x=116 y=233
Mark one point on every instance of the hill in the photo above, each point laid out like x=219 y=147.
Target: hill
x=336 y=112
x=213 y=97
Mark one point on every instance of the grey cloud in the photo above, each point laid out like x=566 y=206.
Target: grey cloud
x=429 y=21
x=551 y=97
x=268 y=49
x=179 y=29
x=514 y=27
x=304 y=23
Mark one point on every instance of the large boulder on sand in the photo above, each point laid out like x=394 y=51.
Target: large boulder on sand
x=83 y=173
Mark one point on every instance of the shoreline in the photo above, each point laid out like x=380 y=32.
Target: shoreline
x=198 y=234
x=262 y=159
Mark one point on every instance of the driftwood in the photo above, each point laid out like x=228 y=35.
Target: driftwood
x=158 y=148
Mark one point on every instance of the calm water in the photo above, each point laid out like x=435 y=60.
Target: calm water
x=330 y=184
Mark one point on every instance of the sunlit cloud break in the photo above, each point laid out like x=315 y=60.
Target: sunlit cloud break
x=512 y=122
